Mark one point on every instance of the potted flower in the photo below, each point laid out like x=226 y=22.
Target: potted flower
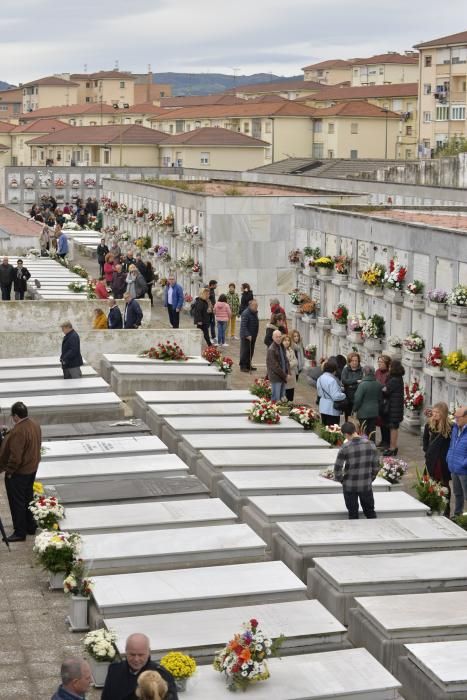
x=339 y=323
x=310 y=354
x=59 y=182
x=457 y=304
x=196 y=271
x=393 y=469
x=78 y=586
x=310 y=255
x=261 y=388
x=414 y=295
x=413 y=350
x=46 y=511
x=332 y=434
x=394 y=346
x=431 y=493
x=434 y=362
x=354 y=326
x=243 y=659
x=413 y=402
x=437 y=302
x=373 y=279
x=295 y=257
x=394 y=282
x=100 y=649
x=325 y=266
x=342 y=265
x=307 y=308
x=264 y=411
x=56 y=552
x=306 y=417
x=13 y=182
x=295 y=297
x=455 y=364
x=181 y=666
x=373 y=329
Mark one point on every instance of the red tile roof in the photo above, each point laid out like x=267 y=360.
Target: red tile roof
x=17 y=224
x=384 y=58
x=268 y=98
x=355 y=109
x=288 y=108
x=198 y=100
x=274 y=86
x=5 y=127
x=459 y=38
x=39 y=126
x=68 y=111
x=103 y=74
x=331 y=63
x=212 y=136
x=141 y=108
x=363 y=92
x=101 y=135
x=51 y=81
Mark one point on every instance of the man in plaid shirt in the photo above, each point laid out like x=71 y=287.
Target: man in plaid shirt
x=356 y=467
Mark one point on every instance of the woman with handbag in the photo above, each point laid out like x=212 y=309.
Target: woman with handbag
x=436 y=441
x=330 y=394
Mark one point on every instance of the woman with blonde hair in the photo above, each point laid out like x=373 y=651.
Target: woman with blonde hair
x=100 y=320
x=151 y=686
x=436 y=440
x=293 y=363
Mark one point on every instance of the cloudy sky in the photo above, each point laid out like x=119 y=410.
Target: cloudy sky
x=40 y=37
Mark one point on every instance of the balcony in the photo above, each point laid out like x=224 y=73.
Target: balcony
x=447 y=69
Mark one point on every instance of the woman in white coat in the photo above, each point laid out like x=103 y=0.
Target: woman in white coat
x=329 y=390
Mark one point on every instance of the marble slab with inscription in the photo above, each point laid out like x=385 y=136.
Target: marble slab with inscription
x=123 y=446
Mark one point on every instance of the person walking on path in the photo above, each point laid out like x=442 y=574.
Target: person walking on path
x=329 y=391
x=20 y=282
x=149 y=277
x=133 y=314
x=367 y=400
x=102 y=252
x=109 y=268
x=436 y=442
x=222 y=315
x=173 y=300
x=100 y=320
x=457 y=459
x=356 y=467
x=201 y=314
x=233 y=300
x=135 y=283
x=62 y=245
x=70 y=357
x=20 y=455
x=277 y=366
x=249 y=326
x=7 y=276
x=114 y=317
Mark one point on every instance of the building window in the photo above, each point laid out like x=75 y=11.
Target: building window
x=426 y=117
x=381 y=70
x=331 y=128
x=34 y=154
x=88 y=99
x=428 y=61
x=268 y=153
x=397 y=105
x=408 y=154
x=197 y=125
x=318 y=150
x=317 y=126
x=92 y=123
x=458 y=112
x=427 y=88
x=122 y=84
x=171 y=128
x=354 y=128
x=268 y=126
x=59 y=155
x=204 y=158
x=330 y=154
x=166 y=161
x=441 y=114
x=88 y=85
x=408 y=130
x=354 y=154
x=106 y=157
x=246 y=127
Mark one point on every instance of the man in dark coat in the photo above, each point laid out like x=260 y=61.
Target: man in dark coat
x=133 y=314
x=70 y=358
x=76 y=680
x=114 y=317
x=102 y=250
x=277 y=366
x=249 y=326
x=118 y=283
x=20 y=282
x=122 y=676
x=212 y=299
x=128 y=260
x=7 y=275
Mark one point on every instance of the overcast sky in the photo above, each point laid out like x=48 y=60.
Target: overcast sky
x=40 y=37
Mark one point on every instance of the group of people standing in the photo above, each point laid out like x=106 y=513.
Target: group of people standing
x=126 y=273
x=15 y=278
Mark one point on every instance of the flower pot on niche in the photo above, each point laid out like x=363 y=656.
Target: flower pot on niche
x=373 y=344
x=324 y=321
x=355 y=337
x=78 y=615
x=437 y=372
x=99 y=671
x=414 y=301
x=457 y=314
x=338 y=329
x=324 y=273
x=394 y=353
x=374 y=291
x=356 y=284
x=436 y=309
x=340 y=280
x=412 y=359
x=457 y=379
x=394 y=295
x=181 y=684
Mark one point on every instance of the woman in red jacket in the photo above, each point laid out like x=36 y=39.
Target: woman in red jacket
x=109 y=268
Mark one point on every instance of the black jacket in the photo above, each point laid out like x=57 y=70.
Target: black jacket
x=71 y=351
x=394 y=391
x=20 y=282
x=200 y=312
x=212 y=297
x=244 y=301
x=120 y=683
x=114 y=318
x=436 y=447
x=102 y=251
x=249 y=324
x=118 y=284
x=7 y=275
x=133 y=314
x=127 y=262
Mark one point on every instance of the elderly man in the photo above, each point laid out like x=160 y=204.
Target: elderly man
x=114 y=317
x=457 y=459
x=276 y=308
x=70 y=357
x=277 y=366
x=76 y=680
x=20 y=455
x=122 y=676
x=118 y=283
x=7 y=276
x=173 y=300
x=249 y=326
x=133 y=313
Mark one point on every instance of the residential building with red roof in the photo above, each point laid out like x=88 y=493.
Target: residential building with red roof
x=328 y=72
x=110 y=87
x=442 y=92
x=50 y=91
x=290 y=89
x=11 y=103
x=391 y=67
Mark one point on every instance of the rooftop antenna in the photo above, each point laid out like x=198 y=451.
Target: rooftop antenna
x=116 y=64
x=236 y=71
x=85 y=67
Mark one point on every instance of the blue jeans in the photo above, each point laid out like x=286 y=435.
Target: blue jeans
x=459 y=487
x=277 y=391
x=221 y=326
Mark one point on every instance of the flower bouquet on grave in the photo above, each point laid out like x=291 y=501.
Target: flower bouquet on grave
x=56 y=551
x=324 y=262
x=310 y=255
x=328 y=473
x=458 y=296
x=196 y=269
x=264 y=411
x=155 y=217
x=342 y=264
x=169 y=221
x=413 y=397
x=224 y=364
x=395 y=276
x=456 y=361
x=187 y=298
x=394 y=341
x=332 y=434
x=295 y=297
x=435 y=357
x=374 y=275
x=295 y=256
x=124 y=236
x=414 y=342
x=181 y=666
x=165 y=351
x=306 y=417
x=243 y=659
x=79 y=270
x=437 y=296
x=431 y=493
x=261 y=388
x=46 y=511
x=59 y=182
x=77 y=287
x=341 y=314
x=211 y=353
x=100 y=645
x=310 y=352
x=392 y=469
x=37 y=487
x=307 y=305
x=90 y=182
x=373 y=327
x=77 y=583
x=91 y=289
x=415 y=287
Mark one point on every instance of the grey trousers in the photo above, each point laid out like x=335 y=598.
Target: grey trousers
x=71 y=372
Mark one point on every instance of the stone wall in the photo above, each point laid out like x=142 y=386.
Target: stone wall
x=439 y=172
x=95 y=343
x=35 y=316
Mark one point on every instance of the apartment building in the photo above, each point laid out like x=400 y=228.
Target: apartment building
x=329 y=72
x=96 y=114
x=442 y=91
x=11 y=103
x=111 y=87
x=401 y=98
x=289 y=89
x=48 y=92
x=385 y=68
x=20 y=136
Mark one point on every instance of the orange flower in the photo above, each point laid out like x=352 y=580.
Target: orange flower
x=245 y=655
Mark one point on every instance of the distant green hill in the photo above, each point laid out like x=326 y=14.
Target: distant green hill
x=209 y=83
x=4 y=86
